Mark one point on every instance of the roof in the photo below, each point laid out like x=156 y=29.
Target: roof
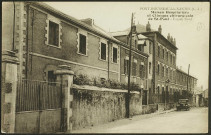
x=159 y=34
x=140 y=28
x=120 y=33
x=184 y=72
x=94 y=29
x=140 y=36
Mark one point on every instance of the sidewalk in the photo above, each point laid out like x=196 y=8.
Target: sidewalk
x=125 y=121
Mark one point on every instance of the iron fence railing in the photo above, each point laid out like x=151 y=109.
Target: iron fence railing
x=37 y=95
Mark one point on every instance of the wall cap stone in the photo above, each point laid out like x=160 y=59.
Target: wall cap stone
x=64 y=69
x=87 y=87
x=9 y=57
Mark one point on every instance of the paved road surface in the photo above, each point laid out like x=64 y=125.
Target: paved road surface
x=193 y=121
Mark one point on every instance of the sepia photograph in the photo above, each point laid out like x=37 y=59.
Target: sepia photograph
x=105 y=67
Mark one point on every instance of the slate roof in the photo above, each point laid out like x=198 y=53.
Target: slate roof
x=94 y=29
x=185 y=72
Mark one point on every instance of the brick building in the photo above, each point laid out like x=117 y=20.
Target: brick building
x=45 y=38
x=164 y=82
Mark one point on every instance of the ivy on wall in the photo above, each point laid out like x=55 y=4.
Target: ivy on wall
x=82 y=79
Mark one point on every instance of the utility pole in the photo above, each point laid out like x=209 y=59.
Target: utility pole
x=128 y=95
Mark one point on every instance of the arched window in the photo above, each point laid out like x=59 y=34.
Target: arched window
x=158 y=89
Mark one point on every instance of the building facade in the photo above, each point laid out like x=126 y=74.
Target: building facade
x=141 y=59
x=164 y=78
x=45 y=38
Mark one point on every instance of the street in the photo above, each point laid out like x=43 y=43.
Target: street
x=193 y=121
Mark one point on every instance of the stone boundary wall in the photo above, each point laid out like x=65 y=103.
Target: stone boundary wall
x=93 y=105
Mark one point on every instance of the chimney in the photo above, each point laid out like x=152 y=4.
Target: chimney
x=148 y=27
x=168 y=37
x=160 y=29
x=171 y=39
x=88 y=21
x=174 y=41
x=133 y=29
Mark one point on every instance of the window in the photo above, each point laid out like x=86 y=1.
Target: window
x=163 y=53
x=141 y=71
x=134 y=69
x=158 y=69
x=171 y=59
x=140 y=47
x=51 y=76
x=163 y=71
x=158 y=89
x=167 y=56
x=114 y=55
x=172 y=75
x=158 y=51
x=82 y=45
x=174 y=60
x=135 y=44
x=126 y=66
x=166 y=72
x=150 y=67
x=103 y=51
x=150 y=47
x=53 y=36
x=144 y=97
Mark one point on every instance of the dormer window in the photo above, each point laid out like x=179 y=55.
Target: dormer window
x=140 y=47
x=141 y=44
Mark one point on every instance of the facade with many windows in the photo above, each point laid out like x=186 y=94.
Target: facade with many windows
x=139 y=59
x=164 y=62
x=46 y=38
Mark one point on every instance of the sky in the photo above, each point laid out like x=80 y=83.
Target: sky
x=192 y=36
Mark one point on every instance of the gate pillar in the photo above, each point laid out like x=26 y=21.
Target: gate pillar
x=8 y=91
x=65 y=76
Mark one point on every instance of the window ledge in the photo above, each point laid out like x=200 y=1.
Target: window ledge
x=103 y=60
x=58 y=47
x=82 y=54
x=115 y=63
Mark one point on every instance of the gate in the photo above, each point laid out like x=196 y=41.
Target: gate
x=38 y=107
